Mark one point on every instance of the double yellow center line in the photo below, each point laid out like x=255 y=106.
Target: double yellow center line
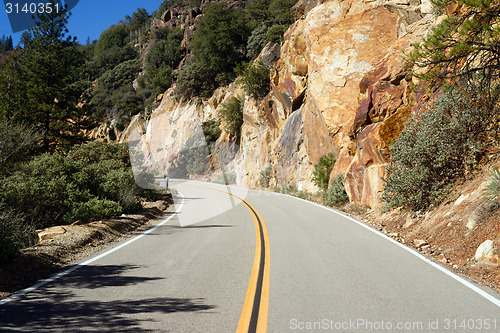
x=256 y=307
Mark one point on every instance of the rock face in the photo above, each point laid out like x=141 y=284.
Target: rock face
x=338 y=84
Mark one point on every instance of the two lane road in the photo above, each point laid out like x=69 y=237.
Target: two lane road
x=201 y=271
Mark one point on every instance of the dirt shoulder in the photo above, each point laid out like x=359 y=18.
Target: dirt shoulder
x=451 y=233
x=63 y=245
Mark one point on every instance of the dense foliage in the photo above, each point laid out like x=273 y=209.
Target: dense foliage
x=6 y=44
x=92 y=181
x=435 y=148
x=42 y=86
x=256 y=79
x=15 y=233
x=322 y=170
x=336 y=195
x=217 y=48
x=232 y=114
x=464 y=44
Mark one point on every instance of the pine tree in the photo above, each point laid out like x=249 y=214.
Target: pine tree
x=2 y=44
x=51 y=67
x=464 y=45
x=9 y=44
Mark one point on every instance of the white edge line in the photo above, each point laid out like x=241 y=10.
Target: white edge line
x=74 y=268
x=466 y=283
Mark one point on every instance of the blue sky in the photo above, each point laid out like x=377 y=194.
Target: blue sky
x=90 y=17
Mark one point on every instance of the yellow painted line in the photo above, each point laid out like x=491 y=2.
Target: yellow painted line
x=256 y=307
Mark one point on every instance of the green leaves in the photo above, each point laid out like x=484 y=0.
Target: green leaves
x=92 y=181
x=462 y=45
x=256 y=79
x=322 y=170
x=218 y=46
x=436 y=147
x=232 y=114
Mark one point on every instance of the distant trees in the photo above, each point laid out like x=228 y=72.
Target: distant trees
x=163 y=57
x=217 y=48
x=42 y=84
x=6 y=44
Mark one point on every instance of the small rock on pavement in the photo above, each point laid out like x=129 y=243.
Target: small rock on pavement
x=420 y=242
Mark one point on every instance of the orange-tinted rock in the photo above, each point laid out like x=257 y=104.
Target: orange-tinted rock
x=385 y=103
x=345 y=41
x=382 y=100
x=363 y=181
x=288 y=82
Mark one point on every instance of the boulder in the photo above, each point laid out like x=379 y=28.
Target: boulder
x=488 y=253
x=270 y=53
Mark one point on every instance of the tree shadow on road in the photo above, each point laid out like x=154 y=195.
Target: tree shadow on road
x=99 y=276
x=54 y=308
x=62 y=312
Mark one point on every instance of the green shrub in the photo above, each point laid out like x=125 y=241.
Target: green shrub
x=15 y=233
x=211 y=129
x=159 y=80
x=232 y=113
x=322 y=171
x=336 y=195
x=435 y=148
x=257 y=41
x=195 y=80
x=276 y=32
x=288 y=189
x=52 y=188
x=122 y=121
x=93 y=209
x=492 y=192
x=265 y=176
x=256 y=79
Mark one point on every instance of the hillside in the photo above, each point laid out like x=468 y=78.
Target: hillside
x=328 y=100
x=342 y=83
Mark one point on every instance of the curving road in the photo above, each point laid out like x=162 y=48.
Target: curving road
x=252 y=260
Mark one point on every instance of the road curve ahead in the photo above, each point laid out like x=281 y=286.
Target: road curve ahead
x=254 y=261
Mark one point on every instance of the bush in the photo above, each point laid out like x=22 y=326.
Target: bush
x=15 y=233
x=322 y=170
x=159 y=80
x=257 y=41
x=17 y=142
x=436 y=147
x=52 y=189
x=256 y=79
x=276 y=32
x=232 y=113
x=336 y=195
x=195 y=80
x=93 y=209
x=211 y=130
x=492 y=192
x=226 y=178
x=265 y=176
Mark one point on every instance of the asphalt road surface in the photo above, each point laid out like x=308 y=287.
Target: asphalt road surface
x=250 y=261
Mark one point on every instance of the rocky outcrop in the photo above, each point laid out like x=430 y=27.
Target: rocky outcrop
x=339 y=83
